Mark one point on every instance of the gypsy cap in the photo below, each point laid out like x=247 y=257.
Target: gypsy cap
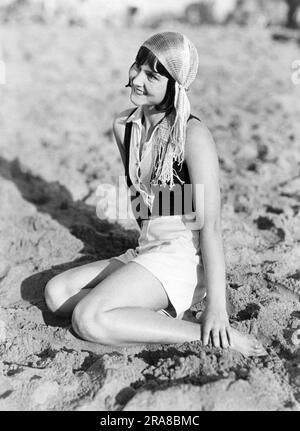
x=180 y=58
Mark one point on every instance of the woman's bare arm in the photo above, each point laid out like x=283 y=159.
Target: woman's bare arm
x=202 y=161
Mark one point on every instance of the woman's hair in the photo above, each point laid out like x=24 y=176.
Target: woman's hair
x=145 y=56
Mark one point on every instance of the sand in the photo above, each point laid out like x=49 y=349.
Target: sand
x=64 y=85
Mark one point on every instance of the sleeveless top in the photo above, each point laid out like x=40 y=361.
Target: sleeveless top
x=166 y=202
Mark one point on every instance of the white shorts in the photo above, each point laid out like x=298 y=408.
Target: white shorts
x=171 y=252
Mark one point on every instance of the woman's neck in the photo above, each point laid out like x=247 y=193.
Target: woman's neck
x=151 y=116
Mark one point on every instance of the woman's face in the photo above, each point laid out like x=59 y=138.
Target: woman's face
x=147 y=87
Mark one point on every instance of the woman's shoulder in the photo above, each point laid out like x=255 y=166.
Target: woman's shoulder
x=121 y=118
x=197 y=128
x=119 y=123
x=198 y=137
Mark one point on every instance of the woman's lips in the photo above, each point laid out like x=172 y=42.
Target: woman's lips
x=139 y=92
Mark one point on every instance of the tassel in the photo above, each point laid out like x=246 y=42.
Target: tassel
x=170 y=141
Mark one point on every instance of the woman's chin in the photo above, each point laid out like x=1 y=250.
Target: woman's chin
x=139 y=99
x=135 y=100
x=135 y=103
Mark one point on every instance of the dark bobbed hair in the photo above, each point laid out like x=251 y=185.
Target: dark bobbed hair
x=145 y=56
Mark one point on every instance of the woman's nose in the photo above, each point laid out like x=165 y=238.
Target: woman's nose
x=138 y=78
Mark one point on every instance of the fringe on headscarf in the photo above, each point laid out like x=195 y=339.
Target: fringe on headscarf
x=170 y=141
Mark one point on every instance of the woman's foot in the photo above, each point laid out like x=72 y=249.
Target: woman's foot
x=199 y=294
x=246 y=344
x=188 y=315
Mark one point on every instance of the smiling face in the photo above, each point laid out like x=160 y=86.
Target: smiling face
x=151 y=84
x=147 y=87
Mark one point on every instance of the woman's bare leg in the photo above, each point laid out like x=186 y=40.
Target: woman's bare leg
x=121 y=311
x=65 y=290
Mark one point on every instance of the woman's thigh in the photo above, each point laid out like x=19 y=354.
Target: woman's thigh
x=131 y=285
x=65 y=290
x=87 y=276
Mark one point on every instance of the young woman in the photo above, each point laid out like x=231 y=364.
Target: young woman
x=141 y=295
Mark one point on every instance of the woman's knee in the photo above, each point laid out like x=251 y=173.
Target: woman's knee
x=92 y=324
x=54 y=293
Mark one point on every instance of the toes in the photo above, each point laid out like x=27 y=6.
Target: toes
x=258 y=350
x=262 y=352
x=189 y=317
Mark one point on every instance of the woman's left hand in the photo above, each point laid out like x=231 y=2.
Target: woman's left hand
x=215 y=323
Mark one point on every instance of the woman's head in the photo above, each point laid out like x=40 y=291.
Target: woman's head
x=174 y=57
x=151 y=83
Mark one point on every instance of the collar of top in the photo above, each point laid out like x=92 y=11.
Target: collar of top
x=136 y=116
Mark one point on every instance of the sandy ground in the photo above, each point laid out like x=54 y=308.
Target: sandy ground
x=63 y=88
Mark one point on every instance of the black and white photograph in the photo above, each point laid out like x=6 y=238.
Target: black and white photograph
x=150 y=208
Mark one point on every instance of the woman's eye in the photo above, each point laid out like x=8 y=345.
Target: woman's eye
x=152 y=77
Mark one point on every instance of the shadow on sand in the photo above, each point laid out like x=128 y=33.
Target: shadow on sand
x=101 y=239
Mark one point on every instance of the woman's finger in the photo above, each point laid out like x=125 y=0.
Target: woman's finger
x=216 y=338
x=229 y=336
x=224 y=339
x=205 y=337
